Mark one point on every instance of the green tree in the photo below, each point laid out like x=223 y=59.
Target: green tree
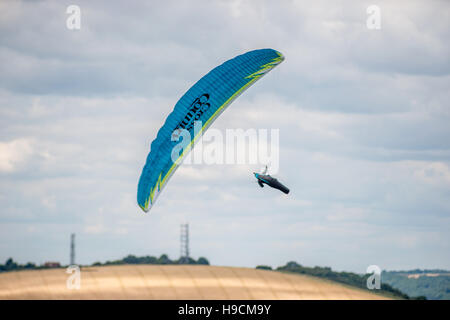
x=164 y=259
x=203 y=260
x=10 y=264
x=262 y=267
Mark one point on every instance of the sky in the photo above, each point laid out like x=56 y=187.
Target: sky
x=363 y=119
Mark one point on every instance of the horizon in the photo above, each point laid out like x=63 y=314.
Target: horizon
x=274 y=268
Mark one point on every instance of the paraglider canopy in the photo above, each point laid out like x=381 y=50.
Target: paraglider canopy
x=204 y=102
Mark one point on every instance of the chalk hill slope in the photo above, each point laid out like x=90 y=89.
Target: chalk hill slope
x=173 y=282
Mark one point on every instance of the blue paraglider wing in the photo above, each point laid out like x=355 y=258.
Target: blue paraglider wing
x=204 y=102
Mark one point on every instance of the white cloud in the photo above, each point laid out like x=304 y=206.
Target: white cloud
x=434 y=172
x=14 y=153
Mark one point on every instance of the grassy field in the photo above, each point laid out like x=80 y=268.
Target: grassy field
x=173 y=282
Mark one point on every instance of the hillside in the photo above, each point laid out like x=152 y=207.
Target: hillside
x=173 y=282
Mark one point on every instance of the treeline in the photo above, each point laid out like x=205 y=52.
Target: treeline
x=163 y=259
x=348 y=278
x=11 y=265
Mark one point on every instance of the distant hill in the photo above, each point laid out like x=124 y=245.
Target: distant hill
x=434 y=284
x=348 y=278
